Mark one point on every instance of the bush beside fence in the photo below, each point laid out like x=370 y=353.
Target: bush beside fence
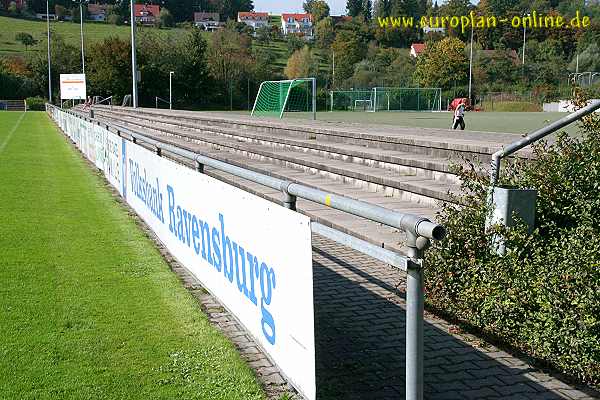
x=543 y=297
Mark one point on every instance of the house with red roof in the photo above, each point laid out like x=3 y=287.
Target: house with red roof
x=97 y=12
x=254 y=19
x=297 y=24
x=146 y=14
x=416 y=49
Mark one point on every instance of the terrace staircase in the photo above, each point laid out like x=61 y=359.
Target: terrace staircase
x=404 y=169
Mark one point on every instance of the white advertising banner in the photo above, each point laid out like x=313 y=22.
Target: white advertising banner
x=73 y=87
x=253 y=255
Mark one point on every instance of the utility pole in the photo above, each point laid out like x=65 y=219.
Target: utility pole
x=134 y=74
x=171 y=90
x=471 y=66
x=49 y=59
x=81 y=29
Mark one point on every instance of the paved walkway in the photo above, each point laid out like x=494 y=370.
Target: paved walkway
x=359 y=328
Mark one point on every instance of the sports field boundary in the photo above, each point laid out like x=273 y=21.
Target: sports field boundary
x=272 y=380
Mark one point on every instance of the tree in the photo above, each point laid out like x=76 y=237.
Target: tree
x=442 y=64
x=354 y=7
x=302 y=63
x=165 y=18
x=318 y=8
x=60 y=11
x=75 y=13
x=26 y=39
x=349 y=49
x=325 y=33
x=109 y=67
x=294 y=43
x=589 y=59
x=229 y=58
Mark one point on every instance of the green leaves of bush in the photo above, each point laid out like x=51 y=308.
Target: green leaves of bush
x=543 y=296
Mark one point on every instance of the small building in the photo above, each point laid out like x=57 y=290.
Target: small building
x=146 y=14
x=297 y=24
x=207 y=21
x=254 y=19
x=42 y=16
x=97 y=12
x=416 y=49
x=428 y=29
x=19 y=4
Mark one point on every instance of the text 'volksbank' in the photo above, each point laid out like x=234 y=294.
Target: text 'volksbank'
x=238 y=266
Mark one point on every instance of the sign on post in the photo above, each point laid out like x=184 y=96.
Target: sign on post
x=72 y=87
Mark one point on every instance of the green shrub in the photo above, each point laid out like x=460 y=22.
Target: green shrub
x=511 y=106
x=36 y=103
x=543 y=296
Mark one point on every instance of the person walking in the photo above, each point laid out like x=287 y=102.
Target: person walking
x=459 y=114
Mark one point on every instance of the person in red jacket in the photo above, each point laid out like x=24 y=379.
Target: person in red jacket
x=459 y=114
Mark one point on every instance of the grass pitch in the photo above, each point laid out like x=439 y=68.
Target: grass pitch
x=88 y=308
x=507 y=122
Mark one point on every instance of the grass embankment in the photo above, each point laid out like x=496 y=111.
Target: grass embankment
x=96 y=31
x=88 y=308
x=510 y=106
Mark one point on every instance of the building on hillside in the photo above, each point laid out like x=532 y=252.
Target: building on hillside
x=207 y=21
x=297 y=24
x=254 y=19
x=20 y=4
x=428 y=29
x=42 y=16
x=416 y=49
x=340 y=19
x=146 y=14
x=97 y=12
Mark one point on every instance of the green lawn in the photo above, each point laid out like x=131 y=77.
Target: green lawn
x=93 y=31
x=88 y=307
x=507 y=122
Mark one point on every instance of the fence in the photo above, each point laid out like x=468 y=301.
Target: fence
x=386 y=99
x=13 y=105
x=419 y=232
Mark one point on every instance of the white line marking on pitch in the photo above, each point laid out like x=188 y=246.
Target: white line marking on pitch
x=13 y=130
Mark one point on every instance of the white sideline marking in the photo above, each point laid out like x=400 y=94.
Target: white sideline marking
x=12 y=131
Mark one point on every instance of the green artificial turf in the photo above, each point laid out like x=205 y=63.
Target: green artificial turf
x=88 y=307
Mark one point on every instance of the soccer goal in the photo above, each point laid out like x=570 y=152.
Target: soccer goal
x=275 y=98
x=407 y=99
x=387 y=99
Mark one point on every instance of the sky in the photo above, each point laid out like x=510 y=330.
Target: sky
x=337 y=7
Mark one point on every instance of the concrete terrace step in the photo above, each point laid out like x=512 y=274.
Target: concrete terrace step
x=406 y=186
x=418 y=164
x=437 y=142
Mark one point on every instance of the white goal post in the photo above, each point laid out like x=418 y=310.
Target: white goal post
x=275 y=98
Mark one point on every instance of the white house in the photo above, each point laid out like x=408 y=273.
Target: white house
x=254 y=19
x=297 y=24
x=207 y=20
x=97 y=12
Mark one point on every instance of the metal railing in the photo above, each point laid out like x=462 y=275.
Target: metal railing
x=419 y=231
x=535 y=136
x=108 y=99
x=161 y=99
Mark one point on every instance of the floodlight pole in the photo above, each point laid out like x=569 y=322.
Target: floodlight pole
x=471 y=67
x=81 y=29
x=49 y=59
x=314 y=98
x=171 y=90
x=133 y=59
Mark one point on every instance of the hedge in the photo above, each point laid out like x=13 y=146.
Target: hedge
x=543 y=296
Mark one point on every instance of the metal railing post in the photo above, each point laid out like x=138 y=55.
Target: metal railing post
x=199 y=167
x=414 y=317
x=289 y=200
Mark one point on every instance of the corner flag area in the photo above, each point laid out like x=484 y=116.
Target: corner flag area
x=88 y=307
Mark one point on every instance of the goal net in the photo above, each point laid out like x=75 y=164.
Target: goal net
x=275 y=98
x=386 y=99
